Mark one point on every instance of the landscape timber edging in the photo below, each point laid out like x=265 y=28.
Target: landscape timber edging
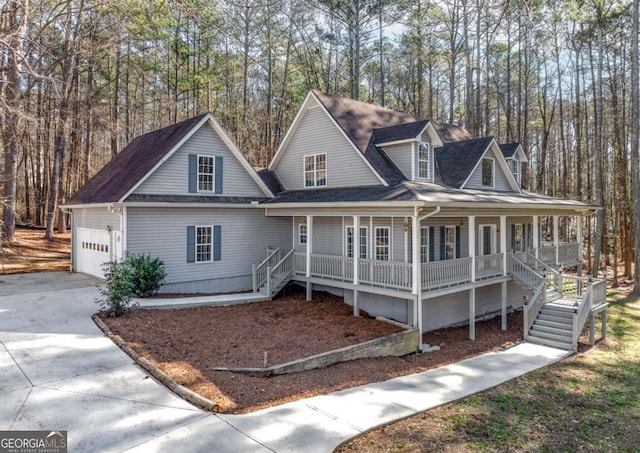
x=395 y=345
x=154 y=371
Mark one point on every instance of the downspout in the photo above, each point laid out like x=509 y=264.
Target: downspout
x=437 y=210
x=72 y=251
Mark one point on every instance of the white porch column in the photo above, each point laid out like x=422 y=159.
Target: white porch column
x=536 y=238
x=556 y=237
x=503 y=243
x=356 y=258
x=472 y=246
x=416 y=268
x=309 y=251
x=472 y=314
x=579 y=239
x=503 y=313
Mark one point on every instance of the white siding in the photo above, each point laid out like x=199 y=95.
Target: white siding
x=401 y=156
x=245 y=233
x=97 y=218
x=454 y=308
x=317 y=134
x=500 y=180
x=172 y=177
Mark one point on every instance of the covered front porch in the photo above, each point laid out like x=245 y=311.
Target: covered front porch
x=454 y=252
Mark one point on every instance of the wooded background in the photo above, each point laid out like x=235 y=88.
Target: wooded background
x=81 y=78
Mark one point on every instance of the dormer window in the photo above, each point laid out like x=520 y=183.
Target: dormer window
x=514 y=166
x=488 y=167
x=425 y=161
x=315 y=170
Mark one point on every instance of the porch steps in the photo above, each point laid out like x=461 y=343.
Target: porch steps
x=277 y=287
x=554 y=325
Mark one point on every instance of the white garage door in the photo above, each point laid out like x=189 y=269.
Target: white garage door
x=94 y=248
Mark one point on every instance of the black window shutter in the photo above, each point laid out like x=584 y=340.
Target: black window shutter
x=217 y=243
x=191 y=244
x=513 y=237
x=218 y=174
x=442 y=248
x=193 y=173
x=457 y=241
x=432 y=243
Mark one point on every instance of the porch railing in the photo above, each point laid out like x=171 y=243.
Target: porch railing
x=547 y=254
x=489 y=266
x=259 y=272
x=445 y=274
x=387 y=274
x=568 y=252
x=533 y=306
x=280 y=274
x=525 y=274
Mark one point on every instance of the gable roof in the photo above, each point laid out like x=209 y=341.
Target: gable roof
x=400 y=132
x=359 y=119
x=116 y=178
x=456 y=160
x=127 y=170
x=509 y=149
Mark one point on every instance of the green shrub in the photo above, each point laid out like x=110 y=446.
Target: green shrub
x=148 y=274
x=135 y=276
x=118 y=290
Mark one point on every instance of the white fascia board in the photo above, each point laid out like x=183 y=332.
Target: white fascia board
x=161 y=204
x=166 y=157
x=505 y=167
x=239 y=156
x=396 y=142
x=435 y=138
x=522 y=157
x=312 y=97
x=510 y=206
x=88 y=205
x=290 y=132
x=475 y=167
x=345 y=204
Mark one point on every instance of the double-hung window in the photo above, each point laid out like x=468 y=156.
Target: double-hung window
x=514 y=166
x=206 y=173
x=362 y=245
x=315 y=170
x=204 y=244
x=383 y=242
x=425 y=161
x=488 y=172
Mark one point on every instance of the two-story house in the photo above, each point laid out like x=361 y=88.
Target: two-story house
x=404 y=217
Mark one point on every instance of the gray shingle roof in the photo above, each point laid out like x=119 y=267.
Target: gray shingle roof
x=270 y=179
x=125 y=170
x=359 y=119
x=456 y=160
x=398 y=192
x=509 y=149
x=218 y=199
x=399 y=132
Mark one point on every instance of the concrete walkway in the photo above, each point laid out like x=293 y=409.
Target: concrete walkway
x=59 y=372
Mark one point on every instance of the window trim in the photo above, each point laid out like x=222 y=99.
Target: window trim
x=494 y=238
x=301 y=234
x=387 y=246
x=196 y=244
x=522 y=239
x=493 y=171
x=360 y=242
x=199 y=173
x=314 y=171
x=516 y=169
x=428 y=161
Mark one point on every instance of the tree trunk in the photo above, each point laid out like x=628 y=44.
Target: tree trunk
x=635 y=140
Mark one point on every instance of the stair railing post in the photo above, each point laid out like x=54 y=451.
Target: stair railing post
x=269 y=282
x=254 y=277
x=525 y=316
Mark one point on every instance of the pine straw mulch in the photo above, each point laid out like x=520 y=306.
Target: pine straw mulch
x=32 y=253
x=189 y=343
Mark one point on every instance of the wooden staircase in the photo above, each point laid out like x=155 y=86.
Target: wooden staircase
x=273 y=274
x=554 y=324
x=556 y=313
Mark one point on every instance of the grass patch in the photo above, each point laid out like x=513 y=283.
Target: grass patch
x=588 y=402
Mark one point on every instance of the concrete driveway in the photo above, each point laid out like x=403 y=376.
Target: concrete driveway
x=59 y=372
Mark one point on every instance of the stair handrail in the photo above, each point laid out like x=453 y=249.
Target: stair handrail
x=259 y=271
x=532 y=307
x=282 y=271
x=554 y=277
x=581 y=313
x=525 y=273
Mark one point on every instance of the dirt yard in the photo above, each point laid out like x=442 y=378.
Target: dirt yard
x=188 y=343
x=32 y=253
